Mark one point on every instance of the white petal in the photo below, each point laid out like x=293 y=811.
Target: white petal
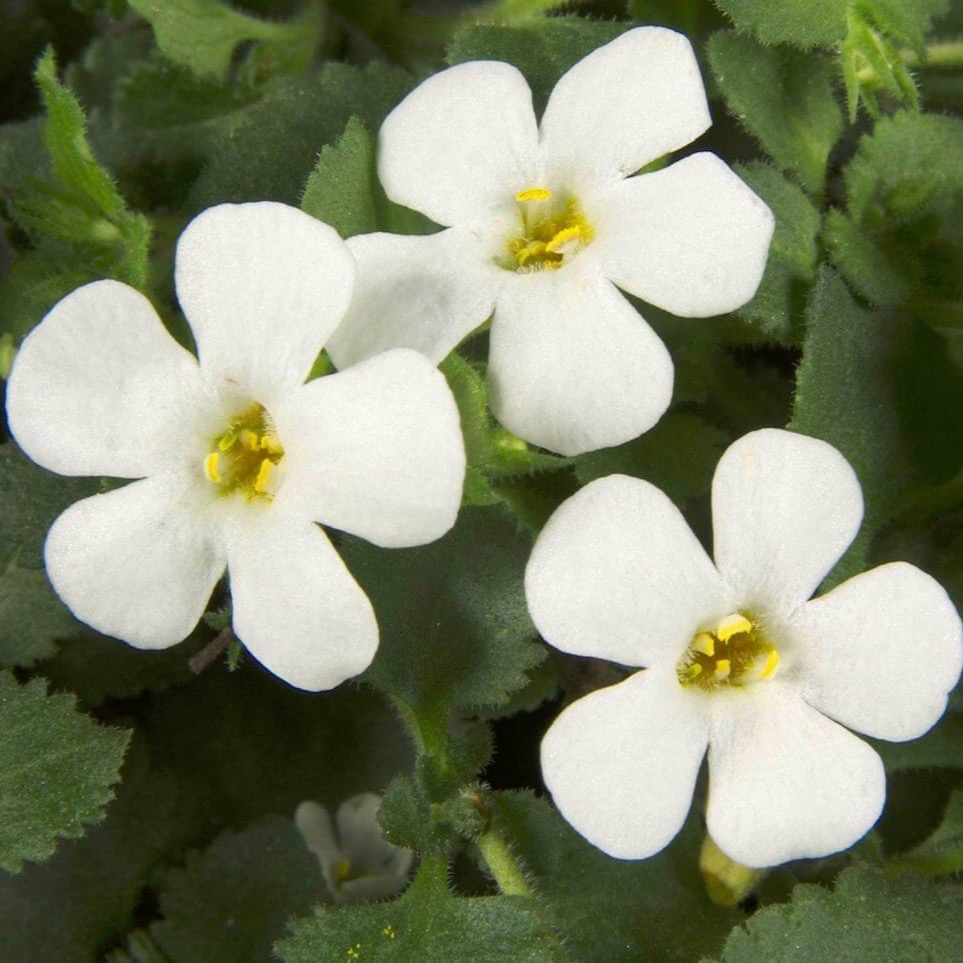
x=621 y=763
x=138 y=563
x=617 y=574
x=572 y=366
x=375 y=450
x=364 y=843
x=263 y=286
x=100 y=388
x=626 y=104
x=297 y=609
x=881 y=652
x=421 y=292
x=692 y=239
x=786 y=782
x=784 y=507
x=460 y=143
x=314 y=824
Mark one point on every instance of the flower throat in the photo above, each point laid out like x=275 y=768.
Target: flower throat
x=246 y=456
x=732 y=654
x=552 y=230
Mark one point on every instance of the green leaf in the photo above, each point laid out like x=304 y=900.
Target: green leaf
x=31 y=617
x=866 y=917
x=203 y=34
x=425 y=923
x=341 y=189
x=940 y=853
x=542 y=51
x=231 y=902
x=784 y=98
x=604 y=909
x=940 y=748
x=849 y=356
x=455 y=629
x=678 y=455
x=807 y=24
x=793 y=254
x=58 y=767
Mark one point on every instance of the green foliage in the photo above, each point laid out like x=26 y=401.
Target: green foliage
x=426 y=923
x=603 y=909
x=866 y=916
x=678 y=455
x=941 y=852
x=202 y=34
x=784 y=98
x=454 y=626
x=58 y=767
x=231 y=902
x=793 y=255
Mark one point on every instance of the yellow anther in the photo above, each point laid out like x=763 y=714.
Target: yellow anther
x=732 y=625
x=704 y=643
x=212 y=467
x=723 y=668
x=692 y=671
x=271 y=445
x=533 y=194
x=343 y=870
x=226 y=441
x=771 y=664
x=264 y=474
x=562 y=238
x=250 y=440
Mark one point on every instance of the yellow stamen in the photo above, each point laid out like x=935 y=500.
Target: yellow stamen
x=772 y=663
x=264 y=474
x=562 y=238
x=212 y=468
x=705 y=644
x=271 y=445
x=723 y=668
x=250 y=440
x=533 y=194
x=343 y=870
x=732 y=625
x=227 y=439
x=692 y=671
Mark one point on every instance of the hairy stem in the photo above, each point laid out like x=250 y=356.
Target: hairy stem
x=503 y=864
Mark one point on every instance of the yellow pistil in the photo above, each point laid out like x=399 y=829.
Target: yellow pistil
x=733 y=653
x=245 y=456
x=552 y=229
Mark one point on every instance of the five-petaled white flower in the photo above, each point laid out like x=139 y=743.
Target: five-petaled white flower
x=357 y=862
x=236 y=457
x=544 y=223
x=739 y=660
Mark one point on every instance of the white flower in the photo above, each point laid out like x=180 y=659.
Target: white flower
x=543 y=222
x=237 y=457
x=739 y=661
x=358 y=863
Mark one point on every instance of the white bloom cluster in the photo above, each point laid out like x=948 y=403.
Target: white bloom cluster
x=236 y=458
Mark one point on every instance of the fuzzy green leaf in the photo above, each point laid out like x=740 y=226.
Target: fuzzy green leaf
x=678 y=455
x=231 y=902
x=793 y=254
x=784 y=98
x=866 y=917
x=58 y=767
x=425 y=923
x=454 y=626
x=605 y=909
x=942 y=851
x=807 y=24
x=31 y=617
x=203 y=34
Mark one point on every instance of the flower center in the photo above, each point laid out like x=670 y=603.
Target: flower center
x=552 y=230
x=733 y=654
x=246 y=456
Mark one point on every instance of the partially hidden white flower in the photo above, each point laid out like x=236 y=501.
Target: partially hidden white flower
x=740 y=661
x=236 y=456
x=544 y=223
x=357 y=862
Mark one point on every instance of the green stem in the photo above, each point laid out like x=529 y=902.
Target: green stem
x=428 y=727
x=503 y=864
x=506 y=11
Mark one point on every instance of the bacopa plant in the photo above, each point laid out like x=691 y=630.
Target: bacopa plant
x=482 y=481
